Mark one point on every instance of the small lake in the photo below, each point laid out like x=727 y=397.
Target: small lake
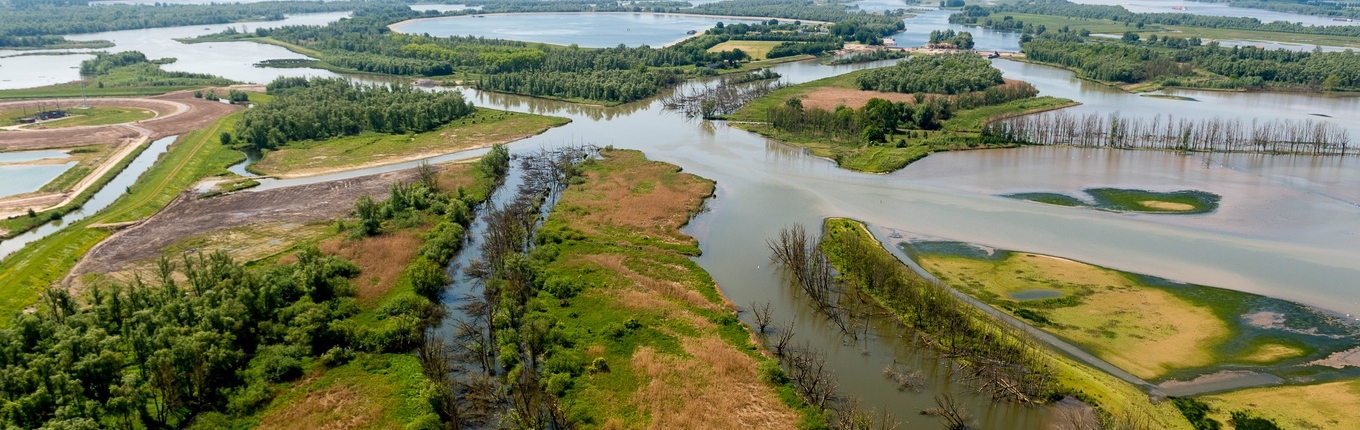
x=594 y=30
x=27 y=179
x=26 y=156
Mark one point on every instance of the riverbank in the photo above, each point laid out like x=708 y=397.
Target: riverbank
x=397 y=26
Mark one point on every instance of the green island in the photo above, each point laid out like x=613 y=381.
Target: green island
x=1126 y=200
x=1162 y=50
x=880 y=120
x=301 y=131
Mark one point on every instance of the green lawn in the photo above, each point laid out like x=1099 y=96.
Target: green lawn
x=102 y=115
x=194 y=156
x=483 y=128
x=757 y=49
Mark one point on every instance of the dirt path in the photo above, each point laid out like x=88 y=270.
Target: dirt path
x=189 y=216
x=176 y=113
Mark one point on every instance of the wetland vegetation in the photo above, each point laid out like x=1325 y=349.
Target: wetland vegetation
x=1124 y=200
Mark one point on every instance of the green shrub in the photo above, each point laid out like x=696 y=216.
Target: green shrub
x=771 y=373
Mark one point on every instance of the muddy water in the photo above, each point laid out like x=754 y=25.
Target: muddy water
x=101 y=199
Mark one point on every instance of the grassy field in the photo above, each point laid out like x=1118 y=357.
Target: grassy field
x=484 y=128
x=192 y=157
x=87 y=158
x=957 y=133
x=684 y=361
x=1115 y=397
x=1329 y=406
x=1127 y=200
x=102 y=115
x=1153 y=328
x=757 y=49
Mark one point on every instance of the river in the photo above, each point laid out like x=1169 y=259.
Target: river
x=1287 y=226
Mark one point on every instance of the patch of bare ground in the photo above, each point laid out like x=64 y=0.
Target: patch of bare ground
x=646 y=198
x=715 y=387
x=189 y=216
x=664 y=288
x=830 y=97
x=380 y=259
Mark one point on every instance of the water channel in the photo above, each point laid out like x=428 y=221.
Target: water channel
x=1287 y=226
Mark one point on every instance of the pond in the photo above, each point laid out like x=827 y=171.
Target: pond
x=21 y=179
x=594 y=30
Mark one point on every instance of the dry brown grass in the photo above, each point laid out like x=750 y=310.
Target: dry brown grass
x=830 y=97
x=715 y=388
x=644 y=197
x=380 y=259
x=1323 y=406
x=334 y=408
x=668 y=289
x=454 y=175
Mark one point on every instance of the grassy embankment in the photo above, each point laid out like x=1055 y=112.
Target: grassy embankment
x=89 y=159
x=482 y=129
x=72 y=89
x=192 y=157
x=676 y=353
x=1114 y=397
x=101 y=115
x=1329 y=406
x=954 y=135
x=1152 y=328
x=1127 y=200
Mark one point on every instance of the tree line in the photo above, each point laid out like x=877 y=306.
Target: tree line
x=1210 y=135
x=133 y=69
x=321 y=108
x=950 y=39
x=940 y=74
x=1119 y=14
x=878 y=120
x=26 y=22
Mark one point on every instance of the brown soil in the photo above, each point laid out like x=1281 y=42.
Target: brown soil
x=177 y=113
x=190 y=216
x=829 y=97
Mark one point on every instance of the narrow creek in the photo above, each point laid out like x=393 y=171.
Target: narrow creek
x=101 y=199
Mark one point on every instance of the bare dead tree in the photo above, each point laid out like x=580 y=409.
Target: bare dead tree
x=763 y=316
x=783 y=338
x=952 y=412
x=906 y=379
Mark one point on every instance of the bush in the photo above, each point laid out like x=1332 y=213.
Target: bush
x=245 y=400
x=426 y=278
x=404 y=304
x=443 y=241
x=558 y=384
x=771 y=373
x=277 y=364
x=336 y=356
x=598 y=365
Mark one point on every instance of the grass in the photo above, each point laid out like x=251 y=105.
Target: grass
x=19 y=225
x=1129 y=200
x=757 y=49
x=1329 y=405
x=37 y=266
x=88 y=158
x=1143 y=330
x=69 y=90
x=94 y=116
x=1151 y=327
x=484 y=128
x=686 y=361
x=1111 y=395
x=375 y=391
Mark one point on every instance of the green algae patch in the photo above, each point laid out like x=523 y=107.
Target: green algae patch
x=1184 y=202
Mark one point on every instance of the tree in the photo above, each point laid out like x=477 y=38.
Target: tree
x=1130 y=37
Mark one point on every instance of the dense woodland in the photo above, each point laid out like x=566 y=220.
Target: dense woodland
x=133 y=69
x=23 y=23
x=940 y=74
x=950 y=39
x=321 y=108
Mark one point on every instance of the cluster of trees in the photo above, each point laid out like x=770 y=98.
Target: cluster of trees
x=155 y=355
x=789 y=49
x=1109 y=62
x=321 y=108
x=1118 y=13
x=865 y=57
x=24 y=22
x=950 y=39
x=880 y=119
x=132 y=69
x=1214 y=135
x=1172 y=60
x=940 y=74
x=857 y=26
x=1305 y=7
x=619 y=86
